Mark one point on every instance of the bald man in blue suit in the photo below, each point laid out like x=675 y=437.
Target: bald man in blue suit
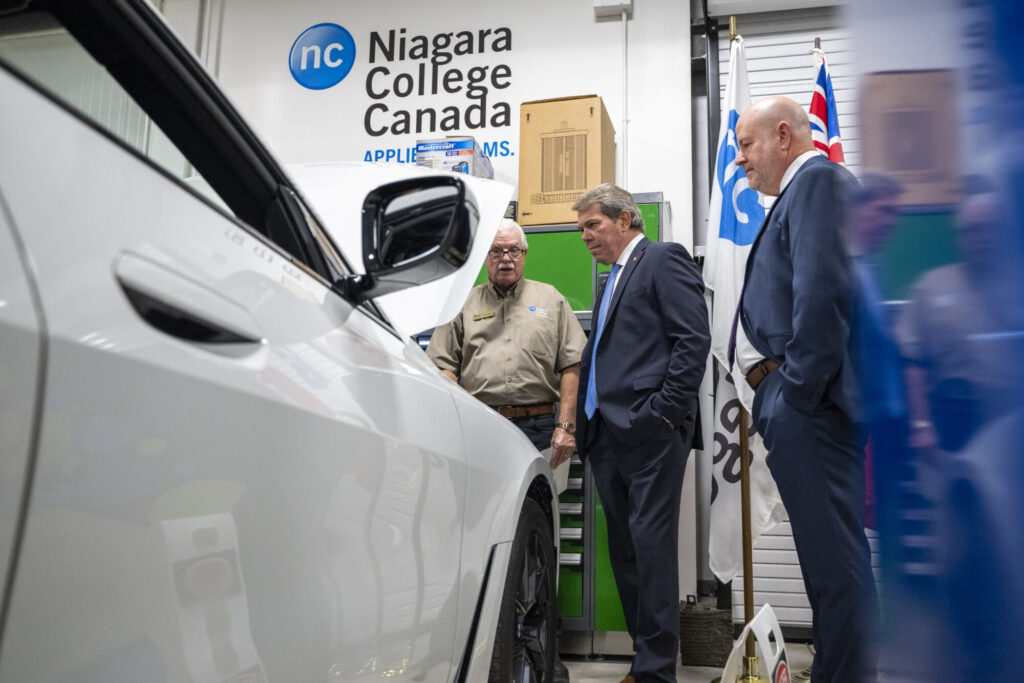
x=794 y=348
x=636 y=420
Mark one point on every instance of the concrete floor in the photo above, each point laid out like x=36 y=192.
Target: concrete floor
x=612 y=669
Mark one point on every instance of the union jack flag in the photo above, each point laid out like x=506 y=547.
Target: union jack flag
x=824 y=120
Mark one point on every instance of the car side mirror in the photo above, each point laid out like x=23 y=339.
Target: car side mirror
x=414 y=231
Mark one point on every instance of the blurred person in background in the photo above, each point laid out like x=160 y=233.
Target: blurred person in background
x=960 y=602
x=879 y=364
x=963 y=335
x=957 y=330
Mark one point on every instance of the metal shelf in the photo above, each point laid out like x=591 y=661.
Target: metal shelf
x=575 y=509
x=570 y=559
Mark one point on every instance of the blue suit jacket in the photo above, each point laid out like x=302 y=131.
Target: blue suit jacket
x=654 y=347
x=795 y=305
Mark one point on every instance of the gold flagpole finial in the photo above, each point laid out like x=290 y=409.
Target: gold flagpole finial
x=732 y=29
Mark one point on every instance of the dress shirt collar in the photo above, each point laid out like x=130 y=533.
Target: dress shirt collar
x=514 y=291
x=794 y=166
x=624 y=256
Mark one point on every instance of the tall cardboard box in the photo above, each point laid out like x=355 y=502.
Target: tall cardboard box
x=566 y=146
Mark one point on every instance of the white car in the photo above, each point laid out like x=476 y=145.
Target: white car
x=219 y=459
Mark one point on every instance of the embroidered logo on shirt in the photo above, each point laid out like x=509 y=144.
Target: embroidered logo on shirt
x=483 y=316
x=541 y=312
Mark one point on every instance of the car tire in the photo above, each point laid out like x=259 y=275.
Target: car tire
x=524 y=643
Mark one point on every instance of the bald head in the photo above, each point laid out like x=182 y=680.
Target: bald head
x=770 y=134
x=771 y=111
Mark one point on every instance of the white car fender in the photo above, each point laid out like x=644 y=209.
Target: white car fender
x=503 y=466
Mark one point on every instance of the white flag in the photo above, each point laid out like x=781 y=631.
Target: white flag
x=734 y=217
x=725 y=542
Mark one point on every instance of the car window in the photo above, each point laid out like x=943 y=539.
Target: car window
x=119 y=68
x=34 y=43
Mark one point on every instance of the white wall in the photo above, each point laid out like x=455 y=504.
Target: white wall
x=558 y=49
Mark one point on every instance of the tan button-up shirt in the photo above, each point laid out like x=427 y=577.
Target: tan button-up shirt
x=510 y=350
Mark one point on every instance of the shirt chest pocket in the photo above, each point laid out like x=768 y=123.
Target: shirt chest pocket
x=537 y=335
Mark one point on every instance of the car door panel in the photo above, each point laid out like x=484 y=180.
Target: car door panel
x=20 y=376
x=240 y=508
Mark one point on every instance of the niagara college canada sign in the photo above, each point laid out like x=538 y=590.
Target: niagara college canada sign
x=405 y=68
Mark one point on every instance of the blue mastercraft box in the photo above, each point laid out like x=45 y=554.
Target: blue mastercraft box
x=461 y=154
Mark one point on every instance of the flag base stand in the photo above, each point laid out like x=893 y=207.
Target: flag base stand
x=742 y=667
x=751 y=671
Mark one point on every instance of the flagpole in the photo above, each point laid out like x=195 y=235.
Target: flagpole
x=727 y=246
x=751 y=672
x=751 y=669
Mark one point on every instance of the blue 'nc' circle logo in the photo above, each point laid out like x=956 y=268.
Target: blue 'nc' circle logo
x=322 y=56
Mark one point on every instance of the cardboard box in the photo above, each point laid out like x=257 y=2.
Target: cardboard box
x=566 y=146
x=909 y=131
x=458 y=153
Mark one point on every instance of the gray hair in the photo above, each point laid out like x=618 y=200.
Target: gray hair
x=612 y=200
x=509 y=224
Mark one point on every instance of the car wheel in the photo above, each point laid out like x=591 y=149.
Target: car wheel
x=524 y=644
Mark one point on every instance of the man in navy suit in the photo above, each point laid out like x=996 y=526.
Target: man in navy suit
x=640 y=373
x=793 y=347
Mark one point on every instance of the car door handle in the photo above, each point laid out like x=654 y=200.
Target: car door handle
x=181 y=307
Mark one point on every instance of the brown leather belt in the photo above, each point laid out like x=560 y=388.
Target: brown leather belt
x=760 y=371
x=525 y=411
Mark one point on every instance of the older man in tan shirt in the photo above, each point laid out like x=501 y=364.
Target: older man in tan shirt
x=516 y=346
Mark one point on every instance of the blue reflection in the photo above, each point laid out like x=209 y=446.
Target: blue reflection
x=940 y=335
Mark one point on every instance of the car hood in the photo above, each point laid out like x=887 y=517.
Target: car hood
x=336 y=192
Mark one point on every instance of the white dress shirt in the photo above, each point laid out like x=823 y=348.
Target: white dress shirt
x=624 y=259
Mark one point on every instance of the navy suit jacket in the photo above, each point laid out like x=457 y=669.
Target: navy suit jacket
x=796 y=300
x=653 y=349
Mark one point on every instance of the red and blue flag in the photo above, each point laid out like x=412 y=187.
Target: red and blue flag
x=824 y=120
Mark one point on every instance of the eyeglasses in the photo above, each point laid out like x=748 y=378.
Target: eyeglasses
x=515 y=253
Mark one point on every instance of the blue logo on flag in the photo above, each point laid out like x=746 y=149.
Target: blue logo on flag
x=742 y=214
x=322 y=56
